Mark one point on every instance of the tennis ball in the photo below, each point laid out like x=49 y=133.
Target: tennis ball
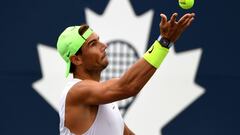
x=186 y=4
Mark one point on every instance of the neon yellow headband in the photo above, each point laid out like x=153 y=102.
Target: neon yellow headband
x=69 y=42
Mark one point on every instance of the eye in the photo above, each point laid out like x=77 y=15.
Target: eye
x=93 y=43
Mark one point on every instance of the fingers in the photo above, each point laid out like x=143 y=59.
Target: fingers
x=173 y=29
x=193 y=14
x=163 y=19
x=173 y=18
x=188 y=21
x=185 y=18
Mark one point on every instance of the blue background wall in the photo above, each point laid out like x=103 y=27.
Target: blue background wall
x=24 y=24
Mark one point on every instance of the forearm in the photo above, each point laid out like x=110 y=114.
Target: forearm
x=139 y=74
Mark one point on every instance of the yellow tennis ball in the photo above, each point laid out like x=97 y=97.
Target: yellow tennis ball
x=186 y=4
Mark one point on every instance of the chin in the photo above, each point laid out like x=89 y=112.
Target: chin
x=105 y=64
x=105 y=61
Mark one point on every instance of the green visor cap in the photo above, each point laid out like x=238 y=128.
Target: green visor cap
x=69 y=42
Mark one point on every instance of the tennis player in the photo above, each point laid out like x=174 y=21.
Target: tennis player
x=87 y=105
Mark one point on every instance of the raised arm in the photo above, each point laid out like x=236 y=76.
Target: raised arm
x=133 y=80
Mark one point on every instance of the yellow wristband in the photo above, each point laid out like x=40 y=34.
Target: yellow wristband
x=155 y=54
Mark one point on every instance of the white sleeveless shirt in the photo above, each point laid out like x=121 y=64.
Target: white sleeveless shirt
x=107 y=122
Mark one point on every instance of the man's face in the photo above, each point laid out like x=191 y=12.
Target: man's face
x=93 y=53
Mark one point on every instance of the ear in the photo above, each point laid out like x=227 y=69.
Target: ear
x=76 y=60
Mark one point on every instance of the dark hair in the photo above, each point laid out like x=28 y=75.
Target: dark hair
x=81 y=31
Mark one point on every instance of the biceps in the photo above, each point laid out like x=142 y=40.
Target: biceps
x=106 y=92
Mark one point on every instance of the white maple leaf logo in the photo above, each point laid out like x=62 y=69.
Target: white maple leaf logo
x=50 y=86
x=169 y=91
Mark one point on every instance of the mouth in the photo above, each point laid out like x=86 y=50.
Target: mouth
x=104 y=55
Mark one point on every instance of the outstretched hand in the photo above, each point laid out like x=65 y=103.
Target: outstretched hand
x=173 y=29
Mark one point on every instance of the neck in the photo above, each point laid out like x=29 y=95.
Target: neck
x=89 y=75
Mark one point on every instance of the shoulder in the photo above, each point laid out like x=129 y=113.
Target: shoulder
x=84 y=85
x=81 y=90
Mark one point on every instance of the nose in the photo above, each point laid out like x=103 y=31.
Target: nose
x=104 y=46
